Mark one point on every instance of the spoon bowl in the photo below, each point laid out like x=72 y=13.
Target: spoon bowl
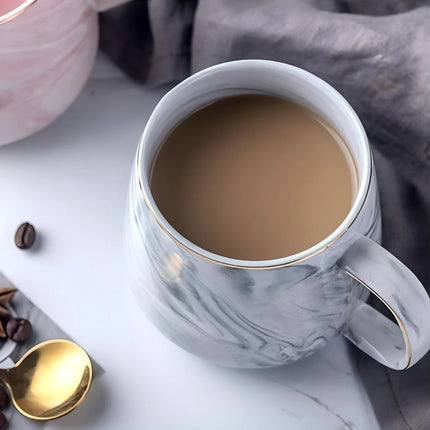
x=50 y=380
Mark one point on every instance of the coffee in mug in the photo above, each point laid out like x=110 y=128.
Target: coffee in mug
x=254 y=177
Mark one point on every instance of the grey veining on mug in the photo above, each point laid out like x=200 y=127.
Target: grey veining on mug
x=241 y=317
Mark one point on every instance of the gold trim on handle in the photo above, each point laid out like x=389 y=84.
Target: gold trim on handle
x=398 y=320
x=17 y=11
x=238 y=266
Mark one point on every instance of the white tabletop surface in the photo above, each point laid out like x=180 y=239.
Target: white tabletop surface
x=70 y=180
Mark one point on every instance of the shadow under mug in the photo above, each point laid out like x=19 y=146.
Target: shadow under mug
x=267 y=313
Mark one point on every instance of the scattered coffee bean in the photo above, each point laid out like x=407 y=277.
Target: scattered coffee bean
x=18 y=329
x=6 y=294
x=4 y=398
x=25 y=236
x=4 y=312
x=3 y=334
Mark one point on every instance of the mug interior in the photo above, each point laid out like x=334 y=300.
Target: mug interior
x=254 y=77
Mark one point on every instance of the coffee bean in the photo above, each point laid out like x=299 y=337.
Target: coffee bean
x=18 y=329
x=2 y=420
x=3 y=334
x=6 y=294
x=25 y=236
x=4 y=399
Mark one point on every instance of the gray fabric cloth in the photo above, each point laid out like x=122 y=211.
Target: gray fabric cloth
x=376 y=53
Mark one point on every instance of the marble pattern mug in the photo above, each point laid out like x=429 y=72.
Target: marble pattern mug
x=47 y=50
x=267 y=313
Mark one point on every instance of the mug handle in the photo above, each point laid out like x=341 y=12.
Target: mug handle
x=396 y=346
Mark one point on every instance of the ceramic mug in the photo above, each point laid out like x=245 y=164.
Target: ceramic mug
x=47 y=50
x=266 y=313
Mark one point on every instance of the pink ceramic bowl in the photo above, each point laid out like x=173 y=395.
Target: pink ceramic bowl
x=46 y=55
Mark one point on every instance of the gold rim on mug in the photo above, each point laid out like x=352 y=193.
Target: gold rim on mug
x=239 y=266
x=17 y=11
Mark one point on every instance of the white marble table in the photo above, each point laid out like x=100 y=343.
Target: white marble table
x=70 y=181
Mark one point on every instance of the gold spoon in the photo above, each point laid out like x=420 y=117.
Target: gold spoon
x=50 y=379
